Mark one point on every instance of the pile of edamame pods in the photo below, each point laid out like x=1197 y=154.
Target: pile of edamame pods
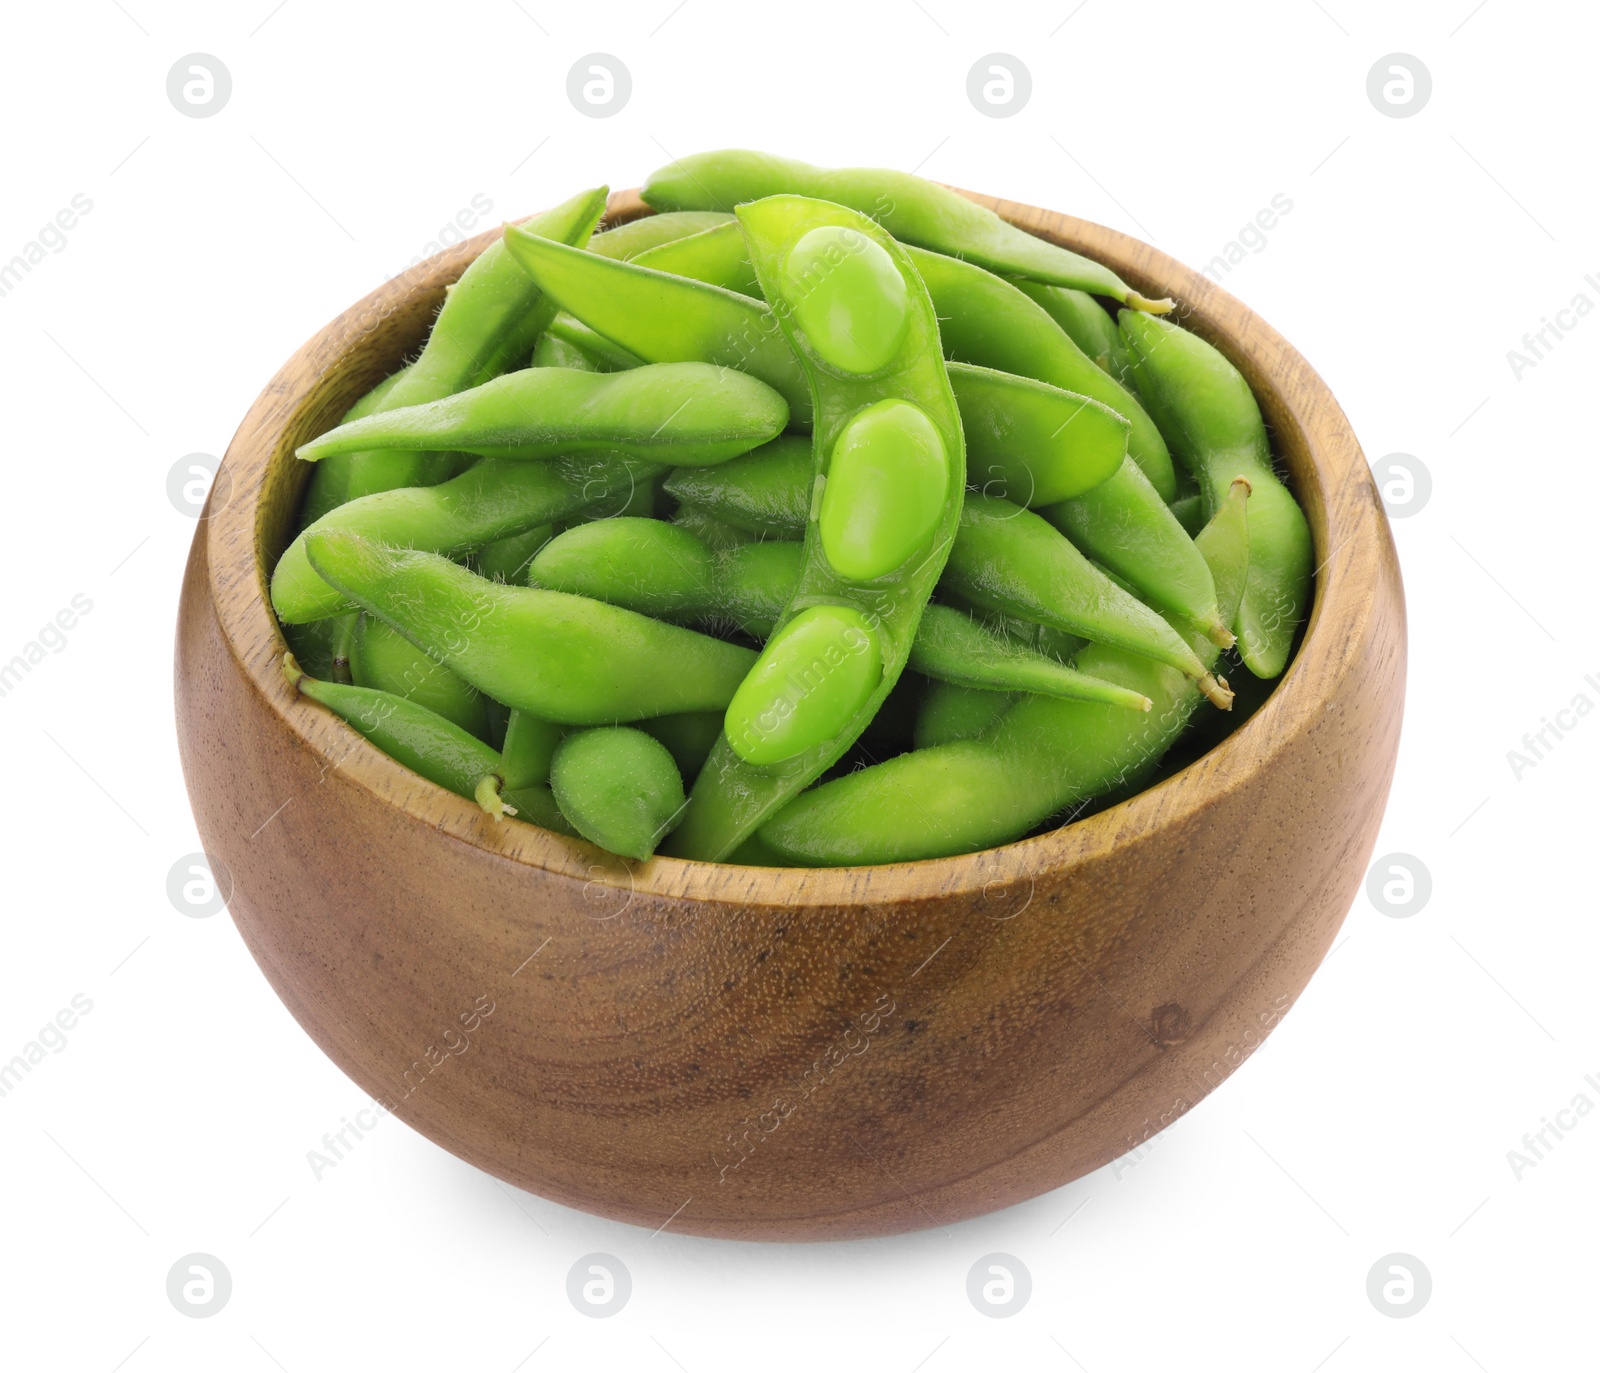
x=822 y=517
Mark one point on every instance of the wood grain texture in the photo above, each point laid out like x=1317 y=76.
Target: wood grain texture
x=788 y=1055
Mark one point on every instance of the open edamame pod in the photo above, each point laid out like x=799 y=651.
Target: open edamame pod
x=685 y=413
x=983 y=320
x=619 y=787
x=1040 y=757
x=1010 y=560
x=1025 y=440
x=411 y=734
x=1213 y=423
x=1032 y=441
x=488 y=501
x=385 y=660
x=566 y=659
x=487 y=325
x=907 y=206
x=888 y=436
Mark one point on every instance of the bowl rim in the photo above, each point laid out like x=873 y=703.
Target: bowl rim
x=1314 y=438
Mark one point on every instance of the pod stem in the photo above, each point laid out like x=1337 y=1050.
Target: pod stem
x=1150 y=307
x=487 y=795
x=1220 y=634
x=1217 y=691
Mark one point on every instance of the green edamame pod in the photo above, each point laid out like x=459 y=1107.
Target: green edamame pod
x=554 y=351
x=619 y=787
x=912 y=209
x=648 y=566
x=599 y=353
x=627 y=241
x=706 y=526
x=1033 y=443
x=950 y=713
x=715 y=256
x=529 y=745
x=764 y=491
x=1010 y=560
x=1213 y=424
x=1036 y=441
x=385 y=660
x=1046 y=639
x=983 y=320
x=662 y=570
x=486 y=502
x=1042 y=756
x=640 y=503
x=664 y=318
x=1083 y=321
x=507 y=559
x=1125 y=524
x=991 y=323
x=566 y=659
x=488 y=324
x=858 y=317
x=686 y=413
x=953 y=647
x=330 y=481
x=413 y=735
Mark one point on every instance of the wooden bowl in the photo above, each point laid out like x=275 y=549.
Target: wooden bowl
x=774 y=1054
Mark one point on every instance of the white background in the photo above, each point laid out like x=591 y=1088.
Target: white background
x=178 y=1116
